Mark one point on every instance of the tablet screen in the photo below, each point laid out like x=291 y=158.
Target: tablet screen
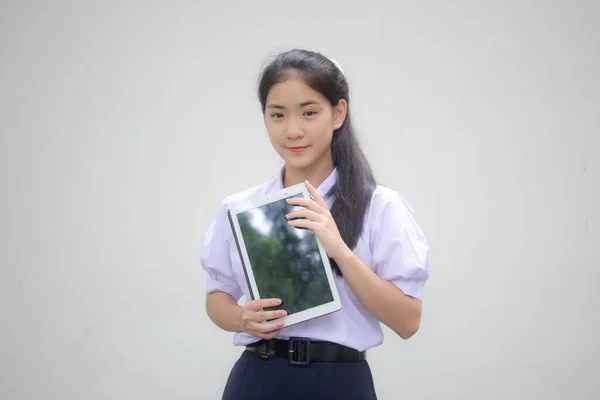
x=285 y=260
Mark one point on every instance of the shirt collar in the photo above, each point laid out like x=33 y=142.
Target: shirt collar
x=323 y=189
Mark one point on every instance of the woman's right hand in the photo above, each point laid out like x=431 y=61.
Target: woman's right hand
x=253 y=318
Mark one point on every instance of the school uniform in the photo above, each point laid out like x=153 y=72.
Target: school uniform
x=332 y=356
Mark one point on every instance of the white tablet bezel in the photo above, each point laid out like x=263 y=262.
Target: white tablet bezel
x=314 y=312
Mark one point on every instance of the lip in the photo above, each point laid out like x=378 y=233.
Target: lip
x=297 y=149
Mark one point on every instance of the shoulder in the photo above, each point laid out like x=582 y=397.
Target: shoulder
x=385 y=200
x=399 y=249
x=249 y=193
x=392 y=219
x=219 y=231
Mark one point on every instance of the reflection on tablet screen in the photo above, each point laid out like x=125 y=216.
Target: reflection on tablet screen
x=285 y=260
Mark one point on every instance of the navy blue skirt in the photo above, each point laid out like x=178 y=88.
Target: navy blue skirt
x=256 y=378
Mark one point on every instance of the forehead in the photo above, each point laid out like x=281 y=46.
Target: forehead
x=293 y=91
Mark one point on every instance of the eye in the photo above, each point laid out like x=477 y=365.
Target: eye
x=276 y=115
x=310 y=113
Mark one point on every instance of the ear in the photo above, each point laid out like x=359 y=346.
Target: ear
x=339 y=114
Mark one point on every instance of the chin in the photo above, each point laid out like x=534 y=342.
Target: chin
x=298 y=163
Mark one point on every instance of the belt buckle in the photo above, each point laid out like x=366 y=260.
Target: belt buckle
x=299 y=351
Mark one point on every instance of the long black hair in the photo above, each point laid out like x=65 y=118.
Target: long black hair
x=356 y=182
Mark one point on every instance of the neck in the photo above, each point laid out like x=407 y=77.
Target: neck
x=315 y=174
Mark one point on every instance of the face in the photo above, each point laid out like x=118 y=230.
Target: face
x=300 y=122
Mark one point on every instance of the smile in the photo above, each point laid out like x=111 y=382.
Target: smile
x=297 y=149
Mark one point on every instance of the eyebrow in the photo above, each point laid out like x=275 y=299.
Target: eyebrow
x=302 y=105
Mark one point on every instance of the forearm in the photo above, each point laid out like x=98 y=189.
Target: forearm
x=223 y=310
x=383 y=299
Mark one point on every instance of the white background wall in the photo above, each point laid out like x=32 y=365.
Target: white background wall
x=124 y=123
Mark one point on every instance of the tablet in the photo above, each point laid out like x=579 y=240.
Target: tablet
x=282 y=261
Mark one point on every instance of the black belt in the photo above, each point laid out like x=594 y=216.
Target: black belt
x=301 y=351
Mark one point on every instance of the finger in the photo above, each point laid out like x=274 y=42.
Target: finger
x=265 y=328
x=306 y=224
x=308 y=214
x=269 y=335
x=268 y=315
x=259 y=304
x=308 y=203
x=315 y=194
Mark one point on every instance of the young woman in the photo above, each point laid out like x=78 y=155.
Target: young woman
x=378 y=252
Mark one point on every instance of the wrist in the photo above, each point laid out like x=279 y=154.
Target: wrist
x=239 y=322
x=344 y=257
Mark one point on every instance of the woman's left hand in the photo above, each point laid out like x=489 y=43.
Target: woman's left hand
x=317 y=218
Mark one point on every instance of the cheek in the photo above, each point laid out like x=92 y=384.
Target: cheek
x=322 y=133
x=276 y=137
x=272 y=130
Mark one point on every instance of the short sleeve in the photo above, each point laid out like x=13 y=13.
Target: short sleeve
x=399 y=248
x=215 y=256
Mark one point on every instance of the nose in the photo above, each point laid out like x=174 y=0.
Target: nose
x=294 y=130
